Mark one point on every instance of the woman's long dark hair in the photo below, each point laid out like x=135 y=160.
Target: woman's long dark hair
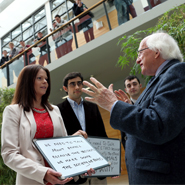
x=25 y=92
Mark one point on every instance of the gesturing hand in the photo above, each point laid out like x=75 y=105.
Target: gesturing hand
x=122 y=96
x=100 y=95
x=52 y=177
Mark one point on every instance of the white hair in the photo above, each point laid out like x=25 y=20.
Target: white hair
x=165 y=44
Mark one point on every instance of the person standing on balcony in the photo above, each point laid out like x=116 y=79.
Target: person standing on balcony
x=31 y=56
x=42 y=45
x=122 y=7
x=79 y=114
x=86 y=23
x=24 y=46
x=133 y=88
x=13 y=51
x=5 y=58
x=63 y=38
x=43 y=49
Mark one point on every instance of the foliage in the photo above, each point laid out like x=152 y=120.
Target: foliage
x=7 y=176
x=172 y=22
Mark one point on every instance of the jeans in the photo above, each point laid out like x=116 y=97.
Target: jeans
x=122 y=11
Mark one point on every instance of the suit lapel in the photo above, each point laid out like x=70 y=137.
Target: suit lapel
x=31 y=119
x=172 y=62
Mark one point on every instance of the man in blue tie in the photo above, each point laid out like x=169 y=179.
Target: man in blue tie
x=155 y=124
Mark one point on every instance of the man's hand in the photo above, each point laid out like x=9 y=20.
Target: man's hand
x=52 y=177
x=122 y=96
x=89 y=172
x=80 y=132
x=100 y=95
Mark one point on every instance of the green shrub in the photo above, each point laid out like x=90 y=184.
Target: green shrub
x=7 y=176
x=172 y=22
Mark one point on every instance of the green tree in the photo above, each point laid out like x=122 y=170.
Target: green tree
x=7 y=176
x=172 y=22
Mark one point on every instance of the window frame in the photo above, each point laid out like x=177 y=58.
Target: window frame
x=32 y=25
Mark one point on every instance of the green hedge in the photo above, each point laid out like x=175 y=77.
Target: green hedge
x=7 y=176
x=173 y=22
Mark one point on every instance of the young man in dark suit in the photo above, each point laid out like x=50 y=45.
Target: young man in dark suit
x=133 y=88
x=154 y=125
x=81 y=115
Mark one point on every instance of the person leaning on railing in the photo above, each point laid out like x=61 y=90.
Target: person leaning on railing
x=86 y=25
x=31 y=56
x=13 y=51
x=63 y=38
x=124 y=7
x=31 y=116
x=5 y=58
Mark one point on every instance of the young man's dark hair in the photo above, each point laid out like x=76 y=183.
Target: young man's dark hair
x=70 y=76
x=131 y=77
x=57 y=16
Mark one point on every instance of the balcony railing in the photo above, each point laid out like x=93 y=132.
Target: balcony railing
x=73 y=34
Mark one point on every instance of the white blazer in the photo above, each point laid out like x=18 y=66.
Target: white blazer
x=18 y=151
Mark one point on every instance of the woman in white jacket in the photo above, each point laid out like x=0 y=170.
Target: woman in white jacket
x=31 y=116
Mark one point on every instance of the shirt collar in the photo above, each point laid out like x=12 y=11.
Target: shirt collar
x=73 y=103
x=161 y=67
x=133 y=100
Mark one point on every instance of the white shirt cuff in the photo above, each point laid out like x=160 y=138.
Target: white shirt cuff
x=113 y=107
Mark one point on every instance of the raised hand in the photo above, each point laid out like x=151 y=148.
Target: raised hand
x=122 y=96
x=100 y=95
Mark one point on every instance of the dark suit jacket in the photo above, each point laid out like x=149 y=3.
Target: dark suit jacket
x=93 y=121
x=155 y=129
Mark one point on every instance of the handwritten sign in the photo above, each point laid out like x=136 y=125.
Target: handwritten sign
x=110 y=149
x=71 y=155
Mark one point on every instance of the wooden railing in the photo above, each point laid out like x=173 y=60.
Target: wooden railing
x=47 y=36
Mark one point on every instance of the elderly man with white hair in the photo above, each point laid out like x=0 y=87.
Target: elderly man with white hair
x=155 y=124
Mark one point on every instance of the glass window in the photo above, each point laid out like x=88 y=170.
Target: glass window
x=7 y=39
x=27 y=33
x=27 y=23
x=29 y=41
x=17 y=40
x=27 y=29
x=60 y=10
x=69 y=4
x=64 y=17
x=16 y=32
x=56 y=3
x=39 y=15
x=40 y=24
x=71 y=14
x=6 y=48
